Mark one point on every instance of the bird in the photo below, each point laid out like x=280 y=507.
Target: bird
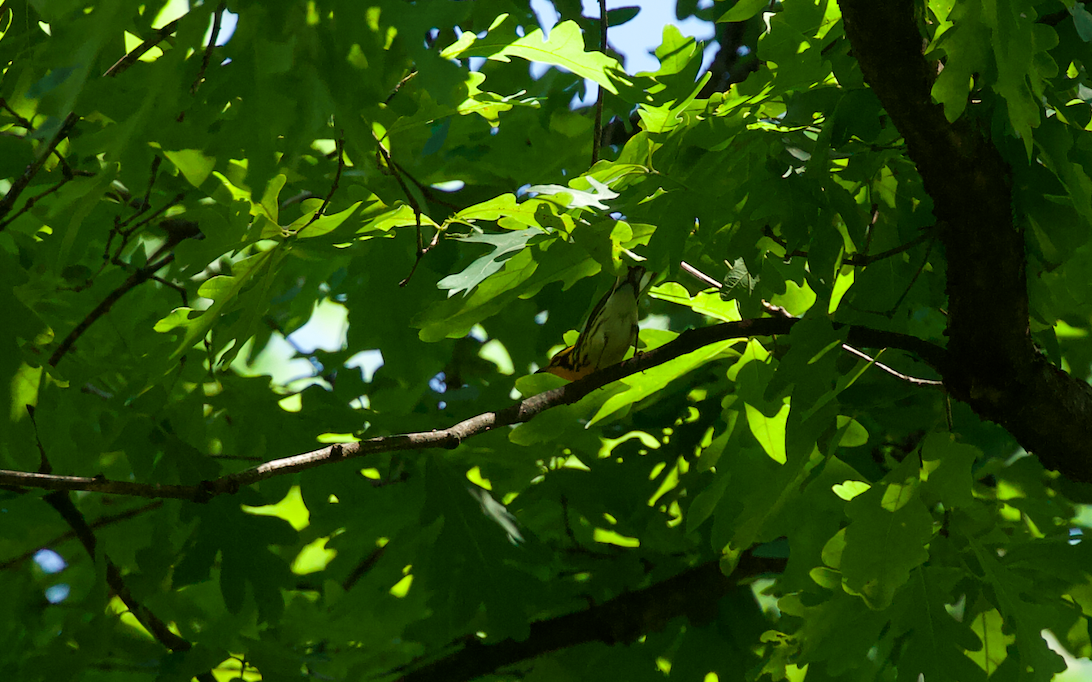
x=609 y=332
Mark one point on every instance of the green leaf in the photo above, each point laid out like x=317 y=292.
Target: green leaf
x=769 y=431
x=193 y=165
x=621 y=15
x=225 y=292
x=948 y=465
x=504 y=245
x=887 y=537
x=564 y=48
x=520 y=276
x=649 y=382
x=743 y=10
x=1082 y=20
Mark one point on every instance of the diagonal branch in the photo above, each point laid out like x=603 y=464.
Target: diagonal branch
x=142 y=275
x=995 y=367
x=452 y=437
x=62 y=503
x=163 y=256
x=20 y=184
x=693 y=594
x=98 y=523
x=139 y=51
x=217 y=17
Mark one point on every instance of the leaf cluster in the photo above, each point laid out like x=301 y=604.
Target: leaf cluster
x=182 y=206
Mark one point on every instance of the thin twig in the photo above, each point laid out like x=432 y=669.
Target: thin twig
x=143 y=274
x=913 y=280
x=156 y=161
x=868 y=259
x=856 y=259
x=778 y=310
x=131 y=58
x=177 y=230
x=20 y=184
x=217 y=16
x=23 y=122
x=421 y=248
x=171 y=285
x=421 y=251
x=893 y=372
x=363 y=567
x=397 y=172
x=65 y=537
x=33 y=200
x=29 y=127
x=158 y=212
x=426 y=190
x=699 y=275
x=62 y=503
x=64 y=506
x=340 y=145
x=398 y=87
x=44 y=467
x=597 y=129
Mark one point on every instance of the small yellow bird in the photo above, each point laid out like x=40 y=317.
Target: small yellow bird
x=609 y=332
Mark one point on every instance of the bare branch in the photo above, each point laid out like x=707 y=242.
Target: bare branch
x=855 y=259
x=777 y=310
x=182 y=229
x=421 y=248
x=33 y=200
x=62 y=503
x=895 y=373
x=449 y=438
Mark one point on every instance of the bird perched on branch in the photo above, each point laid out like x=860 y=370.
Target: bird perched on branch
x=609 y=332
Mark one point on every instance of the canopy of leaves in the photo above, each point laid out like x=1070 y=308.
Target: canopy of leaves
x=856 y=445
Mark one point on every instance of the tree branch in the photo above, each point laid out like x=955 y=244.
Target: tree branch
x=143 y=274
x=20 y=184
x=181 y=230
x=525 y=410
x=217 y=17
x=995 y=367
x=139 y=51
x=98 y=523
x=693 y=594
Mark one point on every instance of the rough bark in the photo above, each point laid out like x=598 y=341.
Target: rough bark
x=994 y=366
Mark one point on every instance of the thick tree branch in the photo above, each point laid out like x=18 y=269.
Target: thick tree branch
x=995 y=367
x=693 y=594
x=522 y=411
